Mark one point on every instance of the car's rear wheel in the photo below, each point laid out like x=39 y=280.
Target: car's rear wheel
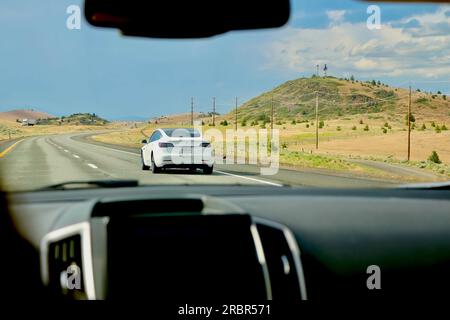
x=208 y=170
x=144 y=166
x=192 y=170
x=154 y=167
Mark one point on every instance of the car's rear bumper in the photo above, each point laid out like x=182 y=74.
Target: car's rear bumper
x=186 y=161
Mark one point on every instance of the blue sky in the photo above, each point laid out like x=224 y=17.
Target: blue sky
x=45 y=66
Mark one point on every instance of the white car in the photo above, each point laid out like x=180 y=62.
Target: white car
x=177 y=148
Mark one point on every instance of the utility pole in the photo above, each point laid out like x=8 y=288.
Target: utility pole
x=271 y=121
x=317 y=120
x=236 y=114
x=409 y=124
x=192 y=111
x=214 y=112
x=9 y=132
x=318 y=66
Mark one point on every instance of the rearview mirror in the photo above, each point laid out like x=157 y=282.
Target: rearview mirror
x=186 y=19
x=144 y=141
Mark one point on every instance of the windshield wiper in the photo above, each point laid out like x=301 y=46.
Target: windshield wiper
x=92 y=184
x=428 y=186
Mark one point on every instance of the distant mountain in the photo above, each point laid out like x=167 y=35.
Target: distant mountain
x=13 y=115
x=129 y=118
x=296 y=99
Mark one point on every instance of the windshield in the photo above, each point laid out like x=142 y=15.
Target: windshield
x=349 y=94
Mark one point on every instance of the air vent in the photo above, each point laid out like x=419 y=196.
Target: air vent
x=65 y=268
x=66 y=262
x=283 y=261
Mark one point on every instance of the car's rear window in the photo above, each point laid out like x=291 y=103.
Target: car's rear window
x=182 y=132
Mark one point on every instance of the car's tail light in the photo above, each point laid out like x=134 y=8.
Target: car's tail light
x=165 y=145
x=206 y=144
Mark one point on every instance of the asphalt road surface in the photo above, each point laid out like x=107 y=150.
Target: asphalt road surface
x=36 y=162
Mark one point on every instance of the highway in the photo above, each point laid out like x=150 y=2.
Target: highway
x=35 y=162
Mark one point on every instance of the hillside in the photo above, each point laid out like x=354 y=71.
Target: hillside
x=13 y=115
x=339 y=98
x=180 y=119
x=75 y=119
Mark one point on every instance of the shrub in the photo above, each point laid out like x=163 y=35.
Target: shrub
x=321 y=124
x=307 y=125
x=411 y=118
x=438 y=130
x=294 y=122
x=433 y=124
x=354 y=128
x=434 y=157
x=279 y=123
x=366 y=128
x=424 y=127
x=224 y=123
x=361 y=121
x=444 y=128
x=338 y=128
x=384 y=130
x=386 y=124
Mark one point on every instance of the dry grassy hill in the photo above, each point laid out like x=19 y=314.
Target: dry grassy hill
x=12 y=115
x=340 y=98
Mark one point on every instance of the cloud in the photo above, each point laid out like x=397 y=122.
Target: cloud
x=417 y=46
x=336 y=16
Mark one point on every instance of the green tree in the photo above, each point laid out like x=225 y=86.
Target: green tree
x=434 y=157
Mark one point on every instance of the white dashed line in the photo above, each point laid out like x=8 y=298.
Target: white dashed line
x=93 y=166
x=65 y=150
x=248 y=178
x=76 y=156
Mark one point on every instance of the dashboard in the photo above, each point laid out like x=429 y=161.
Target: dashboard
x=237 y=242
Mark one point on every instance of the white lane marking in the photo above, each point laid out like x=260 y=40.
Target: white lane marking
x=65 y=150
x=93 y=166
x=248 y=178
x=76 y=156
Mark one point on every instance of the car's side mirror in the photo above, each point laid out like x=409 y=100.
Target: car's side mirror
x=144 y=141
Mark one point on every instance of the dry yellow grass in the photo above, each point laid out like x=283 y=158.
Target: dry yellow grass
x=18 y=131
